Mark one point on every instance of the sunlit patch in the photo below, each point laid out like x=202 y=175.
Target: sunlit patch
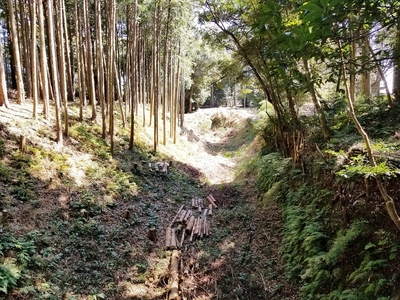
x=219 y=262
x=78 y=166
x=134 y=290
x=227 y=245
x=63 y=200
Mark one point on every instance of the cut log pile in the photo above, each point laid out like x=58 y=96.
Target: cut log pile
x=188 y=224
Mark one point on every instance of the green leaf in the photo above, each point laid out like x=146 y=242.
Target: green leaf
x=325 y=3
x=312 y=7
x=369 y=246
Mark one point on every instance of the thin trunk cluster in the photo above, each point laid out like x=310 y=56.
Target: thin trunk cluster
x=62 y=50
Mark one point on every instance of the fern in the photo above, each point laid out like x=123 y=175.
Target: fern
x=11 y=269
x=342 y=242
x=9 y=275
x=270 y=169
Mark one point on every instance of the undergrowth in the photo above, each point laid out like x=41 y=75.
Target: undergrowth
x=333 y=258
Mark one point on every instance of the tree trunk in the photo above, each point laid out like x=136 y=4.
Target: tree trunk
x=396 y=69
x=133 y=67
x=110 y=68
x=16 y=53
x=366 y=74
x=68 y=56
x=317 y=105
x=80 y=61
x=389 y=97
x=61 y=63
x=24 y=34
x=32 y=9
x=3 y=83
x=389 y=203
x=100 y=67
x=54 y=71
x=43 y=61
x=89 y=61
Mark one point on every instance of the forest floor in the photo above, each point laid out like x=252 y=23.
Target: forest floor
x=90 y=216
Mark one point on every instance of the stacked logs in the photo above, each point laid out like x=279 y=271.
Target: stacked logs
x=190 y=223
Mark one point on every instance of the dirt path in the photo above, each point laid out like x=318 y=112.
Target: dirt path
x=208 y=130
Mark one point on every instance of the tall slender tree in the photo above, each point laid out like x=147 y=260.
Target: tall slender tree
x=3 y=83
x=43 y=61
x=16 y=52
x=32 y=9
x=54 y=70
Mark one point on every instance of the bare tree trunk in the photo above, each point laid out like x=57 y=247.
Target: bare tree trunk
x=3 y=84
x=80 y=61
x=110 y=67
x=54 y=71
x=366 y=74
x=43 y=61
x=32 y=9
x=156 y=71
x=61 y=62
x=100 y=67
x=16 y=53
x=133 y=83
x=24 y=45
x=89 y=61
x=68 y=56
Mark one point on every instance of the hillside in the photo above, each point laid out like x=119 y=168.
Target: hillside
x=75 y=221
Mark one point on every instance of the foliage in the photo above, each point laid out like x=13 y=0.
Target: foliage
x=19 y=256
x=271 y=169
x=2 y=148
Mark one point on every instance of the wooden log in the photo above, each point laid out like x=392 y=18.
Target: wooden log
x=181 y=216
x=182 y=238
x=211 y=201
x=152 y=234
x=190 y=224
x=210 y=207
x=198 y=226
x=193 y=202
x=174 y=275
x=168 y=233
x=188 y=215
x=173 y=239
x=193 y=230
x=173 y=220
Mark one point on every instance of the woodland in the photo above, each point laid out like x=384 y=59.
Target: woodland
x=199 y=149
